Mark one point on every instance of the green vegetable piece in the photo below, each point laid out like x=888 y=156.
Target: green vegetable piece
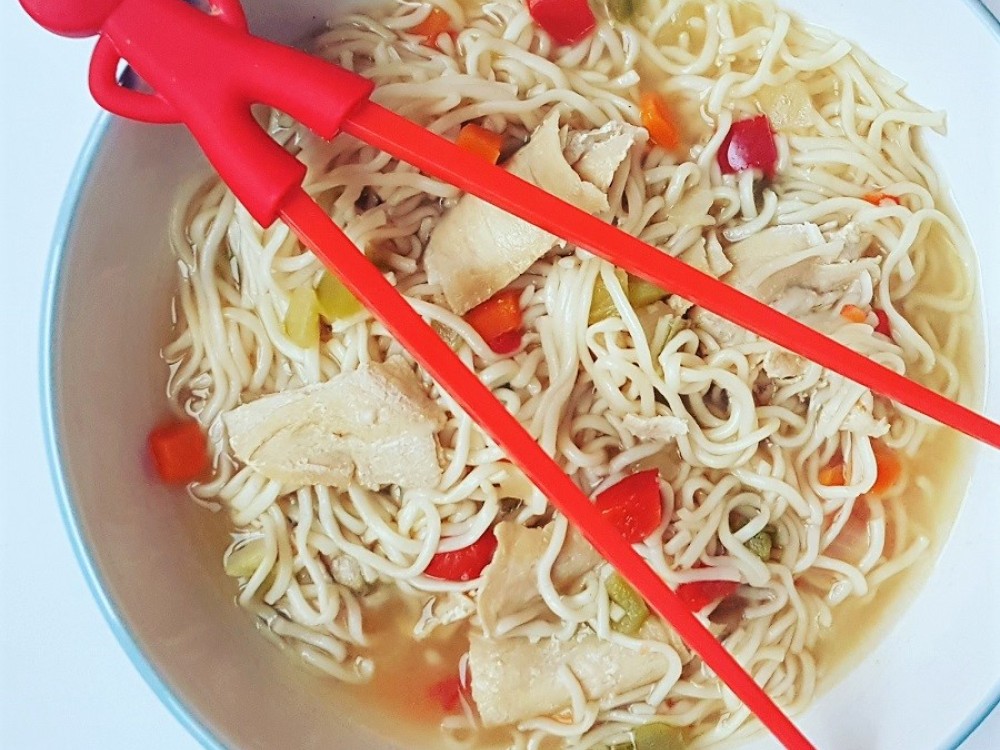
x=760 y=544
x=302 y=317
x=602 y=306
x=243 y=561
x=658 y=736
x=642 y=293
x=622 y=10
x=636 y=611
x=335 y=300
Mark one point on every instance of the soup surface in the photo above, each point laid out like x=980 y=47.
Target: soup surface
x=379 y=536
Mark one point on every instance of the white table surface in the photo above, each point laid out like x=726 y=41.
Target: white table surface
x=64 y=681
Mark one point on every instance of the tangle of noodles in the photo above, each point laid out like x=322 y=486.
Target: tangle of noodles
x=755 y=446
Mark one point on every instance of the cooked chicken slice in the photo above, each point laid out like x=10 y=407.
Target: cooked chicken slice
x=660 y=427
x=696 y=256
x=443 y=609
x=784 y=366
x=597 y=154
x=717 y=260
x=861 y=421
x=795 y=269
x=692 y=210
x=856 y=242
x=477 y=249
x=510 y=580
x=347 y=572
x=720 y=329
x=773 y=264
x=374 y=426
x=766 y=263
x=514 y=679
x=678 y=305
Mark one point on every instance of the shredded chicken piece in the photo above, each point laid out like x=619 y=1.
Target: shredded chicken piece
x=347 y=572
x=784 y=366
x=861 y=421
x=514 y=679
x=443 y=609
x=717 y=260
x=856 y=242
x=696 y=256
x=692 y=210
x=678 y=305
x=476 y=249
x=795 y=269
x=510 y=581
x=374 y=426
x=661 y=427
x=597 y=154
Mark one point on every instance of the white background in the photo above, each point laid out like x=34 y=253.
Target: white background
x=64 y=680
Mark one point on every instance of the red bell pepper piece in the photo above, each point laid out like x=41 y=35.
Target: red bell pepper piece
x=883 y=326
x=749 y=145
x=448 y=693
x=464 y=564
x=633 y=506
x=506 y=343
x=699 y=594
x=566 y=21
x=179 y=451
x=497 y=319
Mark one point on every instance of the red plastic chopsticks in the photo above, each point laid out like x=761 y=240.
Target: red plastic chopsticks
x=207 y=71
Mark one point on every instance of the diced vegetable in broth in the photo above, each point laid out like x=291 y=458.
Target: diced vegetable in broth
x=788 y=106
x=635 y=610
x=480 y=141
x=334 y=299
x=602 y=305
x=642 y=292
x=566 y=21
x=653 y=736
x=179 y=451
x=760 y=544
x=749 y=145
x=302 y=317
x=622 y=11
x=633 y=505
x=243 y=561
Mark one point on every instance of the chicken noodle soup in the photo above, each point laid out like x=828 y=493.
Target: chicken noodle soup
x=373 y=521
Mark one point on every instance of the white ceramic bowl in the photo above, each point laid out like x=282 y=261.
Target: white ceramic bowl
x=152 y=557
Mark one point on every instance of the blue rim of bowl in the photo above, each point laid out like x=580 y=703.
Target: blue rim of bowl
x=52 y=295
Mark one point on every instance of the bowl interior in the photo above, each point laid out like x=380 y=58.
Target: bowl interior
x=155 y=556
